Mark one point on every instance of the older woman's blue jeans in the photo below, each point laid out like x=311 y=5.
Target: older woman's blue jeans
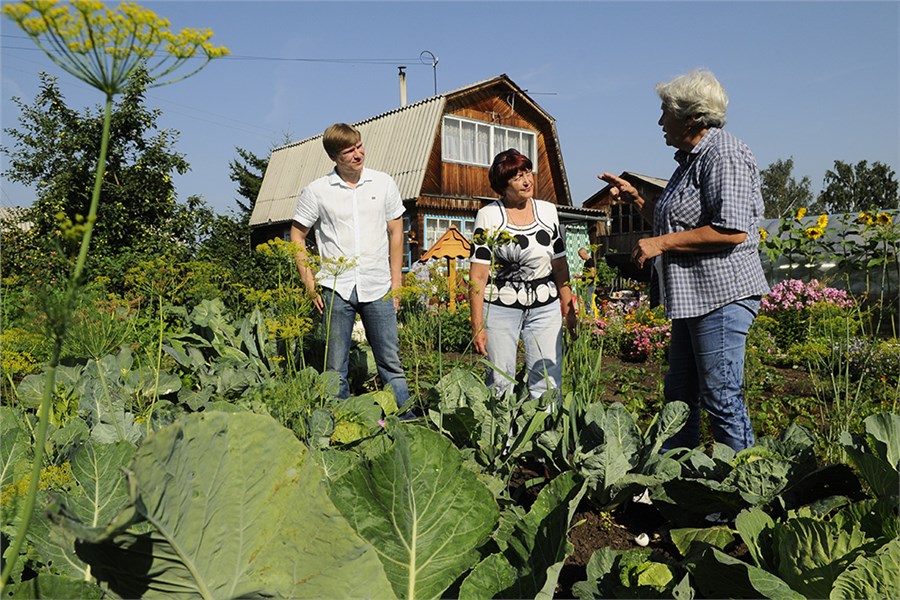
x=706 y=369
x=541 y=332
x=380 y=321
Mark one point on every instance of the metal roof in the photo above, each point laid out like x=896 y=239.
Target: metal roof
x=15 y=216
x=579 y=213
x=658 y=182
x=398 y=142
x=601 y=198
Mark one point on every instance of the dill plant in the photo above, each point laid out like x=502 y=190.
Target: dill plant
x=287 y=306
x=102 y=47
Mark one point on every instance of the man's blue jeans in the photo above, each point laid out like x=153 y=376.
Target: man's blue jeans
x=706 y=368
x=541 y=332
x=380 y=321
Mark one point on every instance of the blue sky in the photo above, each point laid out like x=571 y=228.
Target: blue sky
x=816 y=81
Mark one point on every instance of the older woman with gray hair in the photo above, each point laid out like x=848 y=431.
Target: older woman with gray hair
x=705 y=252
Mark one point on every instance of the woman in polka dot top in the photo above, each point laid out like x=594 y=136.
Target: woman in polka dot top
x=519 y=281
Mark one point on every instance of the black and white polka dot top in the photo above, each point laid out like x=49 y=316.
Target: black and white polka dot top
x=521 y=274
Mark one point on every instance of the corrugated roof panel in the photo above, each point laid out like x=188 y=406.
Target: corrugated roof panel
x=398 y=143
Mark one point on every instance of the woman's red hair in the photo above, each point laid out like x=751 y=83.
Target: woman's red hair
x=506 y=165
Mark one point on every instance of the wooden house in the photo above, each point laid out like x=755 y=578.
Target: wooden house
x=438 y=150
x=622 y=226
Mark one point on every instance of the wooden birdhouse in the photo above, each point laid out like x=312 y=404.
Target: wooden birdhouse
x=450 y=247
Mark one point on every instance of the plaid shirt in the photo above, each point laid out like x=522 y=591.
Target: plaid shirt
x=717 y=183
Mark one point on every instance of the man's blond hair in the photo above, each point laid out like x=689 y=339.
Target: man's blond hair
x=339 y=137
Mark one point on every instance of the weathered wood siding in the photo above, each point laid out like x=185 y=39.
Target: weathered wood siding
x=490 y=105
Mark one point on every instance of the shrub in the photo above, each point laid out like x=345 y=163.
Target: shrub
x=809 y=352
x=800 y=307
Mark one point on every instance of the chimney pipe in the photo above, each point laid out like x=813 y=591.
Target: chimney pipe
x=402 y=85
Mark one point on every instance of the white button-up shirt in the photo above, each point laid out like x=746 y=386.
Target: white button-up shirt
x=351 y=231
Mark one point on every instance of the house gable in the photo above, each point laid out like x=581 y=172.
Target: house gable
x=407 y=143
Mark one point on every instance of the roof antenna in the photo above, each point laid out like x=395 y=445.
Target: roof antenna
x=434 y=62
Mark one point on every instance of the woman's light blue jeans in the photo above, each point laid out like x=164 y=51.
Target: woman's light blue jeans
x=706 y=369
x=380 y=321
x=541 y=332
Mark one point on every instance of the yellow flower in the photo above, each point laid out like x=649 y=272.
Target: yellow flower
x=801 y=212
x=57 y=478
x=494 y=238
x=865 y=218
x=822 y=222
x=883 y=219
x=763 y=234
x=814 y=233
x=103 y=47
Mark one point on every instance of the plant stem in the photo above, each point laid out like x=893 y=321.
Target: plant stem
x=328 y=328
x=50 y=384
x=158 y=367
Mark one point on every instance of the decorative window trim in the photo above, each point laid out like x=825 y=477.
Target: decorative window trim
x=492 y=131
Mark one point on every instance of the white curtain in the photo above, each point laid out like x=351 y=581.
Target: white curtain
x=450 y=143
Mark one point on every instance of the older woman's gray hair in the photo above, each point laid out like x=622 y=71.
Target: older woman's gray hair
x=695 y=94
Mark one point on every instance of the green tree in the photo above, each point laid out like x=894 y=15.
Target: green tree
x=56 y=150
x=782 y=193
x=247 y=172
x=854 y=188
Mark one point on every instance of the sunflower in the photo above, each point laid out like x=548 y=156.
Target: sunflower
x=814 y=233
x=822 y=222
x=865 y=218
x=883 y=219
x=801 y=212
x=763 y=234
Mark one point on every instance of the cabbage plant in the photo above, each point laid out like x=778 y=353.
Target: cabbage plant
x=532 y=552
x=222 y=505
x=635 y=573
x=779 y=473
x=876 y=455
x=605 y=446
x=827 y=550
x=423 y=512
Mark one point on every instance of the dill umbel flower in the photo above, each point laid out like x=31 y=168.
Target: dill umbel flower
x=103 y=46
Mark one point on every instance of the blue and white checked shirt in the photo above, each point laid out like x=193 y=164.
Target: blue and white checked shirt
x=717 y=183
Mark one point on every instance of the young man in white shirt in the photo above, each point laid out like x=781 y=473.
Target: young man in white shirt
x=356 y=213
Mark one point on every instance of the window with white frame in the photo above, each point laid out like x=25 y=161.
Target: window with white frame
x=437 y=225
x=477 y=142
